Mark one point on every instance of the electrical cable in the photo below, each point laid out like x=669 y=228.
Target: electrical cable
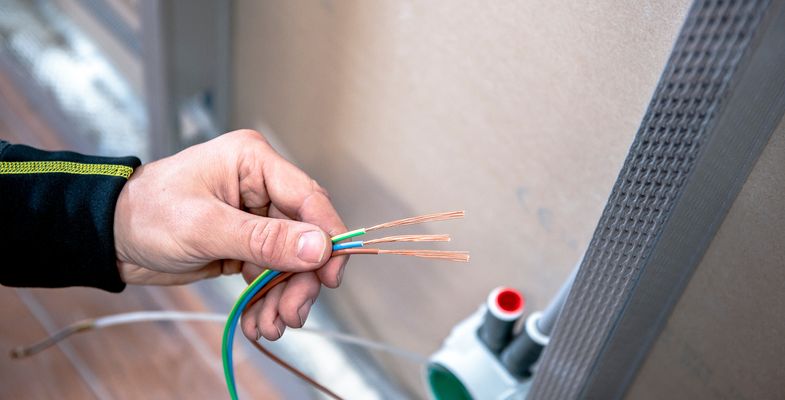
x=401 y=222
x=420 y=219
x=410 y=238
x=257 y=289
x=392 y=239
x=261 y=292
x=264 y=282
x=459 y=256
x=295 y=371
x=134 y=317
x=231 y=325
x=111 y=320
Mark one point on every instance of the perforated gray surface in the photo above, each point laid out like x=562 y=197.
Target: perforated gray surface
x=713 y=110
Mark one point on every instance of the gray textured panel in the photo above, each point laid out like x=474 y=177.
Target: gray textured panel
x=750 y=115
x=709 y=117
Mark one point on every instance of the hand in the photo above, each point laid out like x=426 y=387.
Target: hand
x=226 y=206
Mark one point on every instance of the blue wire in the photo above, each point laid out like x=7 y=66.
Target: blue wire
x=236 y=319
x=347 y=245
x=244 y=302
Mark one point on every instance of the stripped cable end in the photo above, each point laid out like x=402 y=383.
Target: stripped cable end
x=420 y=219
x=459 y=256
x=410 y=238
x=19 y=352
x=35 y=348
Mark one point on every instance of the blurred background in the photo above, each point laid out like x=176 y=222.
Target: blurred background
x=520 y=113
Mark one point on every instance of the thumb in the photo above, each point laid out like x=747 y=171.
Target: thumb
x=280 y=244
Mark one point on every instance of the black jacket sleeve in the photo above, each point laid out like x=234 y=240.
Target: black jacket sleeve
x=57 y=216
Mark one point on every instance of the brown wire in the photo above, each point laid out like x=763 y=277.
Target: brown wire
x=295 y=371
x=278 y=279
x=447 y=255
x=358 y=250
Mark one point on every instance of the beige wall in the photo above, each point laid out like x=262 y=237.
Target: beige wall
x=519 y=112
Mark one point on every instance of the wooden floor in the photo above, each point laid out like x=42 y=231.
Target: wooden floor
x=143 y=361
x=158 y=360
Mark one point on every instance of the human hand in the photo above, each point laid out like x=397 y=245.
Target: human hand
x=226 y=206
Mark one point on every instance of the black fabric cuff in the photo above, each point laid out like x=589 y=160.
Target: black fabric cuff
x=57 y=217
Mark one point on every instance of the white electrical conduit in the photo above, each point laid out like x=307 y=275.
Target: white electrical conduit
x=174 y=316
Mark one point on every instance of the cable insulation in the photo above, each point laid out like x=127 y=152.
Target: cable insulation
x=134 y=317
x=347 y=245
x=260 y=286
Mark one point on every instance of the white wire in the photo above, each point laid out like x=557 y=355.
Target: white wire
x=150 y=316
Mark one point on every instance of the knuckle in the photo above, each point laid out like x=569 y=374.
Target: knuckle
x=248 y=135
x=268 y=241
x=245 y=133
x=243 y=140
x=317 y=188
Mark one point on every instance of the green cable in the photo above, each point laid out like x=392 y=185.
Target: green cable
x=224 y=353
x=347 y=235
x=230 y=384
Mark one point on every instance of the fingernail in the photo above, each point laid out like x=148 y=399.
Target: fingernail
x=279 y=326
x=340 y=274
x=311 y=247
x=302 y=312
x=258 y=334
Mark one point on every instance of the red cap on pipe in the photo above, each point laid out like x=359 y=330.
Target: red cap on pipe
x=505 y=303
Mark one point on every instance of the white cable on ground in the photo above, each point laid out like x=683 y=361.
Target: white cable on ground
x=175 y=316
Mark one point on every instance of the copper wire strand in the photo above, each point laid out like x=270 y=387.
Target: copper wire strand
x=459 y=256
x=410 y=238
x=419 y=220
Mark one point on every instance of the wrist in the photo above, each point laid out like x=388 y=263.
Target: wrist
x=122 y=216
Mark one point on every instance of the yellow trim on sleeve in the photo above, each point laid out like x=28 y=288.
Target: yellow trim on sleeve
x=64 y=167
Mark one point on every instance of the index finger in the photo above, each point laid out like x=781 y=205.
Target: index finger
x=298 y=196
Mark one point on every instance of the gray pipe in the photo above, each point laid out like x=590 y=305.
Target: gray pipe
x=524 y=351
x=552 y=312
